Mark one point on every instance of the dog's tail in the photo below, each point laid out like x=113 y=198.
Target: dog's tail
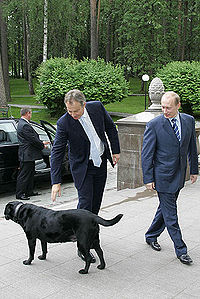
x=109 y=222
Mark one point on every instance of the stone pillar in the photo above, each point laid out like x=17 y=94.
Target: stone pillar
x=131 y=131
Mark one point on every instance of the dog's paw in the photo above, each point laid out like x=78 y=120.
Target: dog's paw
x=27 y=262
x=83 y=271
x=42 y=257
x=101 y=266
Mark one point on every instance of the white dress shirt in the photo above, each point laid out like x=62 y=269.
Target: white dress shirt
x=85 y=118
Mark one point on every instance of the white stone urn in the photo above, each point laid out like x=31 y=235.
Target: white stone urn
x=156 y=91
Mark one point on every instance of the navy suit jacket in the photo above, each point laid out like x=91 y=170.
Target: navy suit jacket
x=30 y=146
x=164 y=158
x=70 y=131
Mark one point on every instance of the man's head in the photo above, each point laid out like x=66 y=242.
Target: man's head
x=75 y=103
x=26 y=113
x=170 y=103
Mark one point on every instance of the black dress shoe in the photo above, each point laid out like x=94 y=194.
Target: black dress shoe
x=185 y=259
x=34 y=194
x=23 y=197
x=154 y=245
x=93 y=260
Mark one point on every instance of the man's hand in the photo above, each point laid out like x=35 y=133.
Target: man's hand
x=56 y=188
x=46 y=143
x=193 y=178
x=150 y=186
x=115 y=158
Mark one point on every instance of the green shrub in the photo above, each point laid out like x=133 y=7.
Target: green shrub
x=55 y=77
x=98 y=80
x=184 y=79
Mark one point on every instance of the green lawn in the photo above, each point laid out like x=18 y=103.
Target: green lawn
x=20 y=95
x=37 y=114
x=133 y=105
x=19 y=87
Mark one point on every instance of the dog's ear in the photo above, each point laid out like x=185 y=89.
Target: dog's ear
x=9 y=211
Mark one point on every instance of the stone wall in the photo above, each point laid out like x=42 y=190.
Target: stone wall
x=131 y=131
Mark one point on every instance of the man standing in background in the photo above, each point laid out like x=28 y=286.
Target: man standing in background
x=30 y=149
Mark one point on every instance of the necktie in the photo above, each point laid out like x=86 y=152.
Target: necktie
x=94 y=152
x=176 y=130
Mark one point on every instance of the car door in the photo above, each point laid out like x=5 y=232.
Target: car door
x=51 y=132
x=8 y=152
x=49 y=129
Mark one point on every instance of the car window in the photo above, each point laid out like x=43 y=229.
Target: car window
x=42 y=134
x=51 y=130
x=8 y=134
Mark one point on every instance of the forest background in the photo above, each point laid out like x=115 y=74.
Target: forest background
x=141 y=35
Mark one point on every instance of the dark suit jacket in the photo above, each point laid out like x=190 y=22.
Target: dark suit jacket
x=30 y=146
x=71 y=131
x=164 y=158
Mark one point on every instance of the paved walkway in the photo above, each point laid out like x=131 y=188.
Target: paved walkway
x=29 y=106
x=133 y=269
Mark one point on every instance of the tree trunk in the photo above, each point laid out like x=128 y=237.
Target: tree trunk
x=190 y=43
x=179 y=29
x=3 y=101
x=108 y=45
x=45 y=30
x=25 y=50
x=184 y=30
x=30 y=80
x=4 y=53
x=93 y=33
x=19 y=57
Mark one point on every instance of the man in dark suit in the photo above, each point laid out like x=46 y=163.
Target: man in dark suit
x=168 y=140
x=30 y=149
x=83 y=127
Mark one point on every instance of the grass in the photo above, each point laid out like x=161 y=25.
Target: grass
x=19 y=87
x=133 y=105
x=135 y=85
x=20 y=95
x=37 y=114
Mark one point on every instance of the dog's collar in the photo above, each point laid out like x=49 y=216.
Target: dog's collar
x=17 y=211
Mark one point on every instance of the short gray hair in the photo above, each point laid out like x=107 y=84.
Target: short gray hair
x=75 y=95
x=172 y=95
x=25 y=110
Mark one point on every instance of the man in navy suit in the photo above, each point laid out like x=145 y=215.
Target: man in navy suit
x=168 y=140
x=30 y=149
x=83 y=127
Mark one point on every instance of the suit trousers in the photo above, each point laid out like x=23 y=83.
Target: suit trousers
x=166 y=216
x=25 y=178
x=91 y=192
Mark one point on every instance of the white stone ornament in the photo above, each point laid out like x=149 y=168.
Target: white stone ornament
x=156 y=91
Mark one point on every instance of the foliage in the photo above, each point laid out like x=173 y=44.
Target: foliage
x=184 y=79
x=142 y=34
x=98 y=80
x=19 y=90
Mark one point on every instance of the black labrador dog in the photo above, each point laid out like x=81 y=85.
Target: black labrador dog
x=51 y=226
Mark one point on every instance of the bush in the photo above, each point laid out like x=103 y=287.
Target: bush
x=184 y=79
x=98 y=80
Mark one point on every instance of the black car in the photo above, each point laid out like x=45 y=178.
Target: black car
x=9 y=163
